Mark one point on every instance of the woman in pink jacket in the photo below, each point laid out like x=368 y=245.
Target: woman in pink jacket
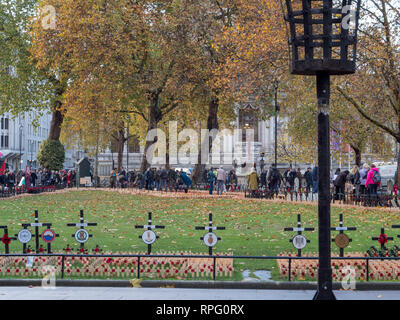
x=370 y=185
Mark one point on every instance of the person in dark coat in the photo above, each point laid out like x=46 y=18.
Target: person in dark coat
x=309 y=179
x=163 y=179
x=172 y=180
x=340 y=183
x=186 y=180
x=33 y=178
x=275 y=179
x=315 y=179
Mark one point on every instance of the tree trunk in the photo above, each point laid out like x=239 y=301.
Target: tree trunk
x=120 y=147
x=55 y=126
x=357 y=153
x=397 y=177
x=96 y=163
x=212 y=123
x=155 y=116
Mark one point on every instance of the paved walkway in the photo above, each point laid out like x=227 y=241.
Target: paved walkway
x=97 y=293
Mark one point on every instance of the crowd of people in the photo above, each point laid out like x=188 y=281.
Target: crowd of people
x=162 y=179
x=10 y=180
x=364 y=181
x=358 y=182
x=291 y=180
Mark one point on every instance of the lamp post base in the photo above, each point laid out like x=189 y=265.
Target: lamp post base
x=324 y=295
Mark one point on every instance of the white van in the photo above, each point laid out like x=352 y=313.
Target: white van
x=387 y=175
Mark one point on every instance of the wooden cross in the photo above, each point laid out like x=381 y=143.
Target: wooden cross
x=6 y=239
x=382 y=239
x=37 y=235
x=210 y=239
x=299 y=229
x=82 y=235
x=149 y=237
x=396 y=226
x=342 y=241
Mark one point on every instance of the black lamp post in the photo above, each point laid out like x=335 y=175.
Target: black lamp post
x=322 y=45
x=277 y=109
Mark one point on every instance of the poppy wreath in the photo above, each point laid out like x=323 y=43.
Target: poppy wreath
x=383 y=239
x=6 y=239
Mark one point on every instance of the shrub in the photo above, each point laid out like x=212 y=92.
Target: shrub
x=51 y=154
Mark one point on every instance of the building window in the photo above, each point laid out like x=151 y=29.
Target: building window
x=248 y=120
x=6 y=124
x=4 y=141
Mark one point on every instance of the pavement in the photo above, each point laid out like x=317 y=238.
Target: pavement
x=115 y=293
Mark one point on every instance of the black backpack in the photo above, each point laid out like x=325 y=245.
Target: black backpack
x=376 y=178
x=275 y=174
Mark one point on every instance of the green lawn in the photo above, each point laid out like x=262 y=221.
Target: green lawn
x=252 y=227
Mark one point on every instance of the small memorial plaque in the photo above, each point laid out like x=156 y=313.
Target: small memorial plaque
x=299 y=242
x=149 y=237
x=24 y=236
x=48 y=236
x=342 y=240
x=82 y=236
x=210 y=239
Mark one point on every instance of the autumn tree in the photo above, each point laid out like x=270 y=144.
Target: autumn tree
x=21 y=85
x=374 y=91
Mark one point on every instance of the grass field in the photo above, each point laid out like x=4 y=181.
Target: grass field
x=252 y=227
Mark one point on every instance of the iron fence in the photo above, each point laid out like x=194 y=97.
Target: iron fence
x=290 y=259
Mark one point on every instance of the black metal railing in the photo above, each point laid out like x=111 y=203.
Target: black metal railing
x=290 y=259
x=15 y=191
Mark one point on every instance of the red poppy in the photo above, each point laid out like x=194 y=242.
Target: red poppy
x=6 y=239
x=382 y=239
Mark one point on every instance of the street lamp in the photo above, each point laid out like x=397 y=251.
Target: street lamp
x=277 y=109
x=322 y=44
x=20 y=146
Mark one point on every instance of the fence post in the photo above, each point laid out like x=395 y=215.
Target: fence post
x=367 y=269
x=62 y=267
x=290 y=269
x=138 y=268
x=214 y=266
